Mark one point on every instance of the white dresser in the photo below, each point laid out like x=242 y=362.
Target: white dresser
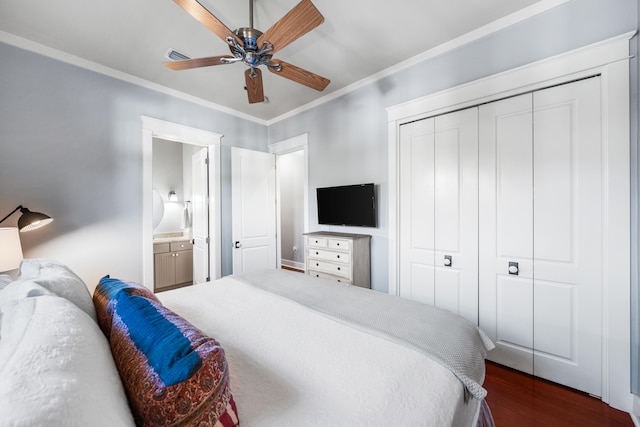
x=341 y=257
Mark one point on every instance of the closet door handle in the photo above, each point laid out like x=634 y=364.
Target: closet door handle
x=448 y=261
x=513 y=268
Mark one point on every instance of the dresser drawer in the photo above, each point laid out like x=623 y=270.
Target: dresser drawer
x=317 y=242
x=340 y=244
x=184 y=245
x=323 y=254
x=331 y=277
x=330 y=268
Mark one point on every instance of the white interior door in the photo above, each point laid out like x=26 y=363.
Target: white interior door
x=541 y=207
x=200 y=216
x=439 y=211
x=253 y=199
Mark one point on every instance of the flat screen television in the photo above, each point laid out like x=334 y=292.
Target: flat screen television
x=353 y=205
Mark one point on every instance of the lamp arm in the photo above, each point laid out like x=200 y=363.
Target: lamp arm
x=12 y=212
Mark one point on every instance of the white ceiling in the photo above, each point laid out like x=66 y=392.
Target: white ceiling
x=358 y=39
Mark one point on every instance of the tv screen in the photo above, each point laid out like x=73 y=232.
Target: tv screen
x=353 y=205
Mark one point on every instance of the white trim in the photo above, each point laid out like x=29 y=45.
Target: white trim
x=636 y=410
x=154 y=128
x=286 y=146
x=610 y=59
x=497 y=25
x=500 y=24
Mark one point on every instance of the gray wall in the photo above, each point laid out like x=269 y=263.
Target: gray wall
x=71 y=146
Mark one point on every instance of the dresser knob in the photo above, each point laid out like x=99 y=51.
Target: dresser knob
x=338 y=268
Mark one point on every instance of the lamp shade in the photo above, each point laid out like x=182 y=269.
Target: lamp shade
x=29 y=220
x=32 y=220
x=10 y=249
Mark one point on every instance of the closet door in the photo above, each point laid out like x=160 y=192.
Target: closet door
x=438 y=212
x=506 y=230
x=568 y=235
x=541 y=182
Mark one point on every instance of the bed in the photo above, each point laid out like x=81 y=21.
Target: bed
x=288 y=349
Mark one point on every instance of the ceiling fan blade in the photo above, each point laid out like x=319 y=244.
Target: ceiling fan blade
x=300 y=75
x=195 y=9
x=254 y=85
x=303 y=18
x=186 y=64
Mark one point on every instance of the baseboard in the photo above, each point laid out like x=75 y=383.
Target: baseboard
x=635 y=412
x=292 y=264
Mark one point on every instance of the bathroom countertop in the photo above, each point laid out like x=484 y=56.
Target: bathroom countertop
x=171 y=237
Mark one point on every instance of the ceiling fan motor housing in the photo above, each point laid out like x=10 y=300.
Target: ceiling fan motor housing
x=250 y=54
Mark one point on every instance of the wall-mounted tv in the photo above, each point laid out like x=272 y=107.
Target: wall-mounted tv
x=353 y=205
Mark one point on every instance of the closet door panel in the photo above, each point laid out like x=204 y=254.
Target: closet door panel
x=416 y=211
x=423 y=280
x=514 y=175
x=506 y=229
x=568 y=234
x=456 y=212
x=448 y=289
x=554 y=313
x=513 y=323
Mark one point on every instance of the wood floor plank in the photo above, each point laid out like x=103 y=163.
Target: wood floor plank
x=518 y=399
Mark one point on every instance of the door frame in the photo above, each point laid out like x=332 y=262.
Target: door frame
x=290 y=145
x=155 y=128
x=609 y=59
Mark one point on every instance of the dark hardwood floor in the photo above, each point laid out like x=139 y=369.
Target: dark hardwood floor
x=520 y=400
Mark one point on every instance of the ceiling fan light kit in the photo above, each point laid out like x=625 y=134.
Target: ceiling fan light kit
x=254 y=48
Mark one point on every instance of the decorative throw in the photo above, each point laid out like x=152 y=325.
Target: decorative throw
x=173 y=374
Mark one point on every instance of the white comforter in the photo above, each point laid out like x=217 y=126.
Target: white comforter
x=291 y=366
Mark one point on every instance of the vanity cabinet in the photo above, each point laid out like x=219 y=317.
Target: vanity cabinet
x=173 y=264
x=340 y=257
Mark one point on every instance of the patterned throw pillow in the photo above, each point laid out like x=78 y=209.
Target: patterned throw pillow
x=105 y=296
x=172 y=373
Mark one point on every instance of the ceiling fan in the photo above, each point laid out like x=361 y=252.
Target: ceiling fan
x=255 y=48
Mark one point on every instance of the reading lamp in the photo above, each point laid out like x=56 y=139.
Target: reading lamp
x=29 y=220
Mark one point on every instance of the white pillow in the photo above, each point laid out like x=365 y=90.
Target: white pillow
x=59 y=279
x=18 y=291
x=56 y=367
x=5 y=279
